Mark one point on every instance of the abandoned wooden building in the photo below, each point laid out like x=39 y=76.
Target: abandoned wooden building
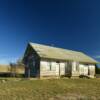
x=47 y=61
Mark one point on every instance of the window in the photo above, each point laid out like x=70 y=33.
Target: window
x=57 y=62
x=48 y=66
x=51 y=66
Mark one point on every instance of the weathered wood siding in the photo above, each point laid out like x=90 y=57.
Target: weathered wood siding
x=57 y=69
x=91 y=70
x=75 y=69
x=45 y=69
x=88 y=69
x=83 y=69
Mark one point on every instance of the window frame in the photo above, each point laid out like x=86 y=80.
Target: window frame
x=50 y=65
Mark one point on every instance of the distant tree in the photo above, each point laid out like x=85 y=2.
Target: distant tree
x=97 y=70
x=20 y=62
x=12 y=69
x=15 y=67
x=19 y=67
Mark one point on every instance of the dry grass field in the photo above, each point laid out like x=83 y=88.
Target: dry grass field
x=7 y=69
x=51 y=89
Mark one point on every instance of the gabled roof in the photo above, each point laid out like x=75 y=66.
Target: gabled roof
x=50 y=52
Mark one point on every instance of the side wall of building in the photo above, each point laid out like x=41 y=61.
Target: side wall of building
x=48 y=68
x=79 y=69
x=69 y=68
x=54 y=68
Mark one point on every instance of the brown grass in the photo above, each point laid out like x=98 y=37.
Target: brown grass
x=52 y=89
x=7 y=69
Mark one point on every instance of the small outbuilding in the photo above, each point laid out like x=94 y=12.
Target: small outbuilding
x=47 y=61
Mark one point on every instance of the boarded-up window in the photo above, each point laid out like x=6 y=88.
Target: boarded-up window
x=44 y=65
x=51 y=66
x=48 y=66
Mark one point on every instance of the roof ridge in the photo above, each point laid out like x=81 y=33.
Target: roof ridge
x=54 y=47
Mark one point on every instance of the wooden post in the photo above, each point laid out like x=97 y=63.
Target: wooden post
x=59 y=69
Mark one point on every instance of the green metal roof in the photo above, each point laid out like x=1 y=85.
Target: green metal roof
x=50 y=52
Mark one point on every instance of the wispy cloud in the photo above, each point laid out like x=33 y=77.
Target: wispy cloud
x=97 y=57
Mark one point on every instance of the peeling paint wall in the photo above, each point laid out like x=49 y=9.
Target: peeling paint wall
x=88 y=69
x=57 y=69
x=83 y=69
x=45 y=69
x=52 y=68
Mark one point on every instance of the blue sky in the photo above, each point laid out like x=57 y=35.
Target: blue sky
x=70 y=24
